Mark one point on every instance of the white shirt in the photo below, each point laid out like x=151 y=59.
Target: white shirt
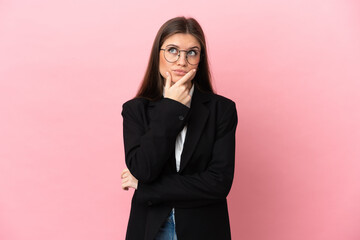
x=180 y=139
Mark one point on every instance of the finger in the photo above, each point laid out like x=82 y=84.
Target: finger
x=125 y=171
x=168 y=80
x=186 y=77
x=125 y=175
x=125 y=180
x=126 y=184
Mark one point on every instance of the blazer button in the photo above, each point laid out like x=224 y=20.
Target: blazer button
x=181 y=117
x=149 y=203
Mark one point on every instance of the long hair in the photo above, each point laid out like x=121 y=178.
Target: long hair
x=153 y=83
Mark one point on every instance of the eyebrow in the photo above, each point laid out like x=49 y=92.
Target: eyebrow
x=178 y=46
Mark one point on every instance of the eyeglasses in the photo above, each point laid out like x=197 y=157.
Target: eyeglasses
x=172 y=54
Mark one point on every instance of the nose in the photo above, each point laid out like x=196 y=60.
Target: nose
x=182 y=59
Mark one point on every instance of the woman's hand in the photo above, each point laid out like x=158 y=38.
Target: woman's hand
x=179 y=91
x=128 y=180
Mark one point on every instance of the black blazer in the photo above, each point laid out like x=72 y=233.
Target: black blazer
x=198 y=191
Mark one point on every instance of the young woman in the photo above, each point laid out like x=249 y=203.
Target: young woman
x=179 y=139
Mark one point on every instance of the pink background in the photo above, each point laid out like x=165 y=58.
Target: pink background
x=292 y=67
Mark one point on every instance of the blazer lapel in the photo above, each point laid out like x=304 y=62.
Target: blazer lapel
x=197 y=119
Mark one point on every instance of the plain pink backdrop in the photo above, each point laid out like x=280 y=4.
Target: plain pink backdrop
x=292 y=67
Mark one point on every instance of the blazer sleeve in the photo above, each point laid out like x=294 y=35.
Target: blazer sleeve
x=149 y=143
x=201 y=188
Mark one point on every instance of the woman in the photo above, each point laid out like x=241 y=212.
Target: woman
x=179 y=142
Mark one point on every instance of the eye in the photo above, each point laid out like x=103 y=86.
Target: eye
x=173 y=50
x=192 y=53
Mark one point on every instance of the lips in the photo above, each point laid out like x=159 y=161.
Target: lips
x=179 y=72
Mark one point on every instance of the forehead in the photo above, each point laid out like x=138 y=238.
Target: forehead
x=182 y=40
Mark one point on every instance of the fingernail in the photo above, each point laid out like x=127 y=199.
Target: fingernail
x=194 y=70
x=167 y=73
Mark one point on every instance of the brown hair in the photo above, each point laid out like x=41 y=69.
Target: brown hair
x=152 y=84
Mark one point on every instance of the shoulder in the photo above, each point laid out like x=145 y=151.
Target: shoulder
x=136 y=102
x=222 y=100
x=134 y=105
x=223 y=112
x=219 y=102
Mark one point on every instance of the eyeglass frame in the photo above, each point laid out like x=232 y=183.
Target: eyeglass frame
x=164 y=49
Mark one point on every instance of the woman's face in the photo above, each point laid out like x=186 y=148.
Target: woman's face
x=177 y=69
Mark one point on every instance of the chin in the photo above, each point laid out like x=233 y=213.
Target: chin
x=174 y=79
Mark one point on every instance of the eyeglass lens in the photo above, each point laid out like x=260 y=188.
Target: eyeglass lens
x=172 y=54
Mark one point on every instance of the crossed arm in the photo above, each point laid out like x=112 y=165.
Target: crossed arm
x=148 y=151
